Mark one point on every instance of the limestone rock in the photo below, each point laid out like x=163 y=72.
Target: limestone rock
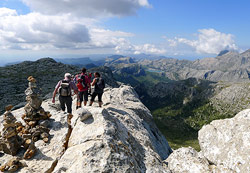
x=83 y=114
x=187 y=160
x=227 y=142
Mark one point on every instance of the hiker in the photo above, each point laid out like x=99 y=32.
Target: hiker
x=83 y=84
x=64 y=88
x=89 y=91
x=99 y=84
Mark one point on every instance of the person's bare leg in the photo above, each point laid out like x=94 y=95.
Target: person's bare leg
x=79 y=104
x=100 y=104
x=91 y=102
x=85 y=103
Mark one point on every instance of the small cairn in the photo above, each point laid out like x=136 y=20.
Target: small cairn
x=10 y=142
x=12 y=165
x=35 y=117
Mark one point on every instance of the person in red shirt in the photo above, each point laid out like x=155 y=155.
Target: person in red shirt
x=83 y=84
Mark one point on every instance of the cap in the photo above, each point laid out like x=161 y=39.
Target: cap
x=67 y=75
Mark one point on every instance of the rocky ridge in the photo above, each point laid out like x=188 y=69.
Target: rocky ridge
x=120 y=137
x=230 y=67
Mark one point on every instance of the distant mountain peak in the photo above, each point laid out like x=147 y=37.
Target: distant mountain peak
x=247 y=51
x=223 y=52
x=48 y=59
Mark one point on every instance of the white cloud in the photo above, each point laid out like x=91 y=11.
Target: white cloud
x=87 y=8
x=37 y=31
x=7 y=12
x=34 y=30
x=209 y=41
x=107 y=38
x=149 y=49
x=125 y=47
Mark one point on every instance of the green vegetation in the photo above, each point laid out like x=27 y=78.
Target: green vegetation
x=149 y=78
x=184 y=108
x=152 y=78
x=177 y=132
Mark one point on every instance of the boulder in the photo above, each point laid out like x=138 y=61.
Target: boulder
x=227 y=142
x=187 y=160
x=83 y=114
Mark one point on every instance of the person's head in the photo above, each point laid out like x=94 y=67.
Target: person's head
x=97 y=74
x=84 y=70
x=67 y=76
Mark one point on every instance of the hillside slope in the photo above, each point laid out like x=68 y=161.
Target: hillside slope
x=13 y=78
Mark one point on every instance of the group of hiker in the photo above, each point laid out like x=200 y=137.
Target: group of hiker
x=81 y=85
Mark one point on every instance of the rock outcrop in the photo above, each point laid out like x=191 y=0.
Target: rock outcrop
x=225 y=148
x=120 y=137
x=187 y=160
x=227 y=142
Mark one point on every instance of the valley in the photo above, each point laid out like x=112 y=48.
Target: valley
x=184 y=95
x=180 y=103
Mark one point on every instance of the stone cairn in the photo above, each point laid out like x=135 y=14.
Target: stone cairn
x=15 y=135
x=35 y=117
x=10 y=142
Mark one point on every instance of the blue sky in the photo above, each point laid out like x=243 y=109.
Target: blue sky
x=181 y=17
x=178 y=28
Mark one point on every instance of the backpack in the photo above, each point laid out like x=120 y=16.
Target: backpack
x=64 y=89
x=100 y=83
x=81 y=82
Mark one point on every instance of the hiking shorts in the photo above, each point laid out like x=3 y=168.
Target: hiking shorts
x=83 y=95
x=97 y=94
x=66 y=100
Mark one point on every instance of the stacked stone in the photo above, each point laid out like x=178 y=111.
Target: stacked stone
x=10 y=142
x=12 y=165
x=35 y=117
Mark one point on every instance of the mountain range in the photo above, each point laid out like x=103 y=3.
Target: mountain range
x=228 y=66
x=182 y=95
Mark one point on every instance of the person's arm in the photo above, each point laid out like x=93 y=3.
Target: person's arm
x=88 y=81
x=55 y=91
x=93 y=83
x=74 y=87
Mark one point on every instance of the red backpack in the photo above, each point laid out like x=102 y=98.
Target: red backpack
x=81 y=82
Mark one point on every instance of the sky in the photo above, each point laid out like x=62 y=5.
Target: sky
x=187 y=29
